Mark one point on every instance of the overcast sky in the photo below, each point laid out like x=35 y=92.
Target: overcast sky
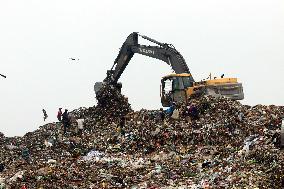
x=242 y=39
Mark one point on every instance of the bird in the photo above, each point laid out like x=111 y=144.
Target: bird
x=3 y=75
x=73 y=58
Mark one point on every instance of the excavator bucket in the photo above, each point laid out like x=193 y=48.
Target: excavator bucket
x=98 y=86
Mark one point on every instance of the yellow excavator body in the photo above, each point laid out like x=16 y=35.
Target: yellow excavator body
x=181 y=89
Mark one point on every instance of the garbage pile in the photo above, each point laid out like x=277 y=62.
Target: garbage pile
x=111 y=105
x=225 y=145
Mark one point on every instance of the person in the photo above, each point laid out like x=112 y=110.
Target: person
x=162 y=114
x=121 y=125
x=44 y=114
x=171 y=109
x=193 y=112
x=122 y=122
x=175 y=114
x=65 y=120
x=59 y=114
x=72 y=121
x=25 y=154
x=80 y=123
x=240 y=116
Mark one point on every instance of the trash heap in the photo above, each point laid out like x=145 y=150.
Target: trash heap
x=229 y=145
x=111 y=105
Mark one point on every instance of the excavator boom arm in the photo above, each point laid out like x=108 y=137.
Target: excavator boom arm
x=163 y=52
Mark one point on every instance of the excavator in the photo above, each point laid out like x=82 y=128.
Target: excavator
x=177 y=87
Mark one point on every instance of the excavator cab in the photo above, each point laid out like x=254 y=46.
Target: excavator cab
x=174 y=87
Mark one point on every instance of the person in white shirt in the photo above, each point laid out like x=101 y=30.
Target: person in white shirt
x=80 y=123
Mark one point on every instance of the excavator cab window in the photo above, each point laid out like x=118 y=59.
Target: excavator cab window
x=187 y=82
x=168 y=86
x=180 y=83
x=176 y=83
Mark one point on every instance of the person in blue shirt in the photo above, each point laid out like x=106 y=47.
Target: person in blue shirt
x=171 y=109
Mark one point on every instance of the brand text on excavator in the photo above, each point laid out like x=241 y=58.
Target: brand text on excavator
x=147 y=51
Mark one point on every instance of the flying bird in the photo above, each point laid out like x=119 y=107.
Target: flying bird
x=74 y=58
x=3 y=75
